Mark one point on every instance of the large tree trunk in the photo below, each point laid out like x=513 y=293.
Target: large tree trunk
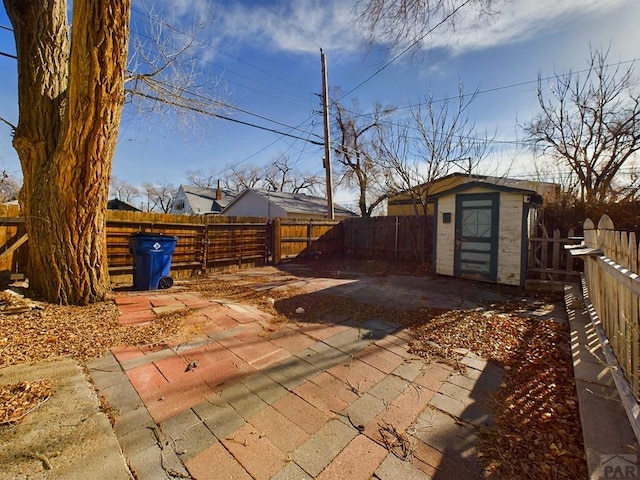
x=70 y=103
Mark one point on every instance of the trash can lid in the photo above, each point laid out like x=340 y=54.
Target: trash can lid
x=151 y=234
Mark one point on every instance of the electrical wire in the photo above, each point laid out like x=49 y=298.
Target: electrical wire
x=224 y=117
x=411 y=45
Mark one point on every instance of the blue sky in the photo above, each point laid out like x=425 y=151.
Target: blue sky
x=263 y=56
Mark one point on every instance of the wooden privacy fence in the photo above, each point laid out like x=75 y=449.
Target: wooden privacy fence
x=13 y=239
x=613 y=285
x=205 y=243
x=393 y=238
x=306 y=238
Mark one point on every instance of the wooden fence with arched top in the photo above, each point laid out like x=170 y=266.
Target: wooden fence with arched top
x=612 y=289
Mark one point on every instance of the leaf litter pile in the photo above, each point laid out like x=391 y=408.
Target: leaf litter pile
x=18 y=399
x=45 y=331
x=537 y=432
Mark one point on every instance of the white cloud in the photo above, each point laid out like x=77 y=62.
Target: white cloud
x=516 y=21
x=295 y=27
x=303 y=26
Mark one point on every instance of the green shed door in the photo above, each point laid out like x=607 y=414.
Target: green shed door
x=476 y=247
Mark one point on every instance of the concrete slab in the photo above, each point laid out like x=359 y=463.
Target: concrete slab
x=606 y=430
x=68 y=430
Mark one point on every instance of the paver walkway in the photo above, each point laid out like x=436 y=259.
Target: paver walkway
x=242 y=400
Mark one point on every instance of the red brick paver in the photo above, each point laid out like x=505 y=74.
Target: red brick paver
x=216 y=463
x=255 y=452
x=358 y=461
x=282 y=432
x=300 y=412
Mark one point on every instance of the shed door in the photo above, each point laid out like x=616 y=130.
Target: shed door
x=476 y=252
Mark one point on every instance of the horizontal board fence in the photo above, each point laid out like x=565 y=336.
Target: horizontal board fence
x=549 y=261
x=205 y=243
x=391 y=238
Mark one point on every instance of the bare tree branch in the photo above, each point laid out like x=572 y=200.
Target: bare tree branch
x=438 y=139
x=403 y=22
x=355 y=134
x=589 y=125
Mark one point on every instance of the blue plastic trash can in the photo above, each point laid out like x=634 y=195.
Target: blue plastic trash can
x=151 y=260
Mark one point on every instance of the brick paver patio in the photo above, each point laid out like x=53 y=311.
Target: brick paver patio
x=310 y=400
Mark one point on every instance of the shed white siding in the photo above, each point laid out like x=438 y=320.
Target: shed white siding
x=511 y=230
x=445 y=236
x=510 y=238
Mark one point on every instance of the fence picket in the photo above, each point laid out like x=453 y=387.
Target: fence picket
x=635 y=314
x=614 y=287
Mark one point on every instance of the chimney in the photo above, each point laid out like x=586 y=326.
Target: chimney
x=218 y=192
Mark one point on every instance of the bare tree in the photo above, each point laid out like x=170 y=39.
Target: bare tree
x=437 y=139
x=122 y=190
x=71 y=91
x=159 y=196
x=9 y=187
x=202 y=179
x=589 y=125
x=282 y=176
x=163 y=75
x=355 y=136
x=240 y=177
x=402 y=22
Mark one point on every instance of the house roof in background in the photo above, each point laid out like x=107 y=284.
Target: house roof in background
x=203 y=200
x=117 y=204
x=298 y=203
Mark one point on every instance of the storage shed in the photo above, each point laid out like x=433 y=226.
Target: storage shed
x=482 y=232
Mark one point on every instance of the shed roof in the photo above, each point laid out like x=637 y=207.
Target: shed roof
x=488 y=185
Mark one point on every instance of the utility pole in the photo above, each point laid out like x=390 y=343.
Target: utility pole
x=327 y=137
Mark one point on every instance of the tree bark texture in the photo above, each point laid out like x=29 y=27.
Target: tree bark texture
x=70 y=96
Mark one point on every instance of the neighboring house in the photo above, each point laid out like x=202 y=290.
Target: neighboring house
x=405 y=203
x=116 y=204
x=482 y=231
x=190 y=200
x=264 y=203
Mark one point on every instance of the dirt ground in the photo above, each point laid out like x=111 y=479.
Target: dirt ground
x=537 y=432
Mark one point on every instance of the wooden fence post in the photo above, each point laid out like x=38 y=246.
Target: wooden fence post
x=277 y=244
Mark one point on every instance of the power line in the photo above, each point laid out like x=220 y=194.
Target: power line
x=411 y=45
x=207 y=44
x=259 y=151
x=224 y=117
x=479 y=92
x=228 y=105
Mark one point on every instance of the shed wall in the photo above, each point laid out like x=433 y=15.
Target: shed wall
x=510 y=235
x=510 y=238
